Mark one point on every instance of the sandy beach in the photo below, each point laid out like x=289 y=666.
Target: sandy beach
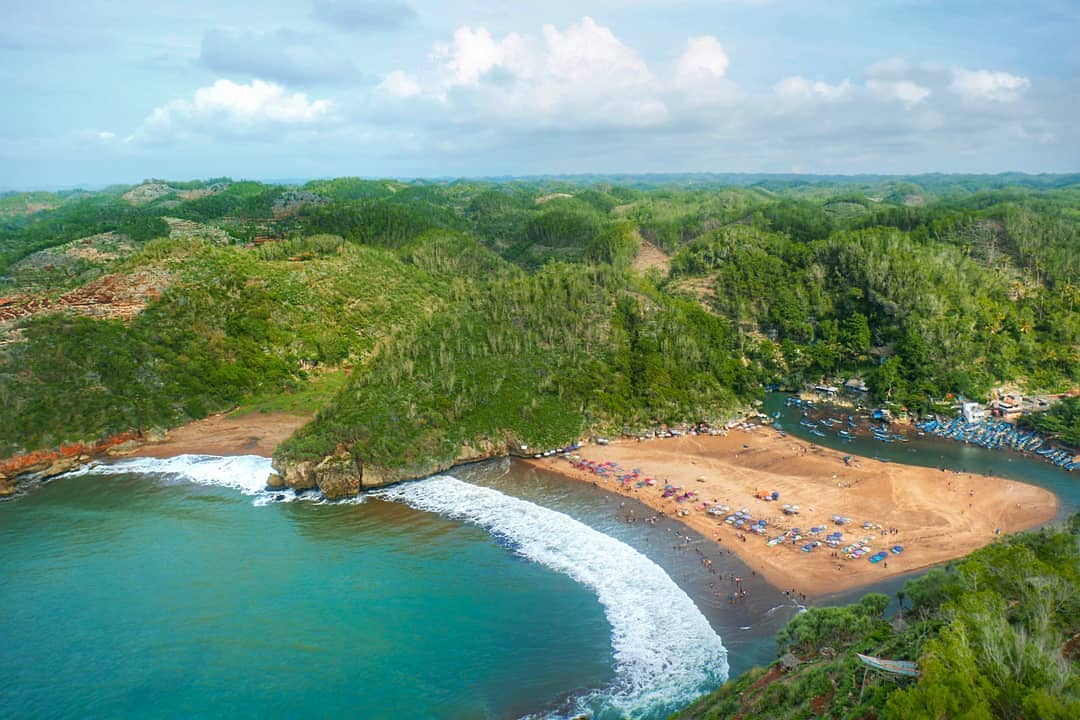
x=935 y=516
x=251 y=433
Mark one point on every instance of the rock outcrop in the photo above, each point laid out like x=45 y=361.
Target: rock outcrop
x=124 y=449
x=7 y=487
x=61 y=466
x=300 y=476
x=339 y=475
x=480 y=449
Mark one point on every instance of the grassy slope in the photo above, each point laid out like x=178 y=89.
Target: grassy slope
x=232 y=325
x=451 y=306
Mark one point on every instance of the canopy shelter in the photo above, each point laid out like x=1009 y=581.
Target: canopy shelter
x=896 y=667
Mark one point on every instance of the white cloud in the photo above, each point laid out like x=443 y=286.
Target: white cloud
x=583 y=76
x=237 y=109
x=797 y=89
x=988 y=85
x=590 y=53
x=908 y=92
x=400 y=85
x=704 y=60
x=474 y=53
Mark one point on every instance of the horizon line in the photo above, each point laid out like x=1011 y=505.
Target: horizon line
x=98 y=186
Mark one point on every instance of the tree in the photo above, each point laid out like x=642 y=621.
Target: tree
x=856 y=335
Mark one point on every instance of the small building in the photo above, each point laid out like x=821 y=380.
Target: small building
x=973 y=412
x=826 y=389
x=856 y=385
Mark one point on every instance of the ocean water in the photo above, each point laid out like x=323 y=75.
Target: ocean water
x=178 y=588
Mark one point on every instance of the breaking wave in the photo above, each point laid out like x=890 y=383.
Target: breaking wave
x=665 y=651
x=246 y=473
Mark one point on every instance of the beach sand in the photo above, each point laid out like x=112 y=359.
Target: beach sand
x=937 y=516
x=251 y=433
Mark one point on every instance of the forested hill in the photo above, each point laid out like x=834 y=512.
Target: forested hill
x=430 y=322
x=994 y=636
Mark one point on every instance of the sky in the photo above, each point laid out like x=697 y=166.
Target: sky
x=97 y=92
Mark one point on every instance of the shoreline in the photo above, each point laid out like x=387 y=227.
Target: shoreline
x=227 y=433
x=936 y=516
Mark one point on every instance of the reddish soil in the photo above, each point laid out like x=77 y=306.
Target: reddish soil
x=111 y=296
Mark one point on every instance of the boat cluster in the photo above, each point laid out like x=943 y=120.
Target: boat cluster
x=993 y=434
x=990 y=434
x=559 y=451
x=881 y=433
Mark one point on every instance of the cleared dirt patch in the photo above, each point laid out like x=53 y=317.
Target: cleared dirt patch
x=111 y=296
x=650 y=257
x=247 y=434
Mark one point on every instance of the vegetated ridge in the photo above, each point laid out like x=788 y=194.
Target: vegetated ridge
x=475 y=318
x=995 y=635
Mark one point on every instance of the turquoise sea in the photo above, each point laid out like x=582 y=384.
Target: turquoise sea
x=179 y=588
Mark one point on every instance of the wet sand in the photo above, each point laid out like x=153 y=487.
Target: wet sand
x=936 y=516
x=251 y=433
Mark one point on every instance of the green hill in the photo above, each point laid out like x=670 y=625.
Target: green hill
x=476 y=317
x=995 y=635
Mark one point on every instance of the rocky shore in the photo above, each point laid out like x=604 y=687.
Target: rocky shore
x=340 y=475
x=336 y=476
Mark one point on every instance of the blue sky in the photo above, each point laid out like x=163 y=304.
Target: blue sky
x=98 y=92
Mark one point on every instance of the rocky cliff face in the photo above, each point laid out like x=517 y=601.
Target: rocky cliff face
x=44 y=470
x=340 y=476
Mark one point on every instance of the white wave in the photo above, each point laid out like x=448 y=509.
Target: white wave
x=665 y=651
x=246 y=473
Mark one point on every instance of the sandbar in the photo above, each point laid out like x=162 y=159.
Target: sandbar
x=934 y=515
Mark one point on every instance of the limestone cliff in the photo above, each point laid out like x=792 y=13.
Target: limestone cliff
x=341 y=476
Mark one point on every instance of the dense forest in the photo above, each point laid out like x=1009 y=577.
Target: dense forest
x=525 y=312
x=995 y=636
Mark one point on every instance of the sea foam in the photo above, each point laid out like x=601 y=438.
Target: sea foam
x=665 y=651
x=246 y=473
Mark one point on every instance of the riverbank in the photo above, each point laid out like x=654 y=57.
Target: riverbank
x=934 y=516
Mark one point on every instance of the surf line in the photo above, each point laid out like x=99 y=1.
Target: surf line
x=665 y=651
x=245 y=473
